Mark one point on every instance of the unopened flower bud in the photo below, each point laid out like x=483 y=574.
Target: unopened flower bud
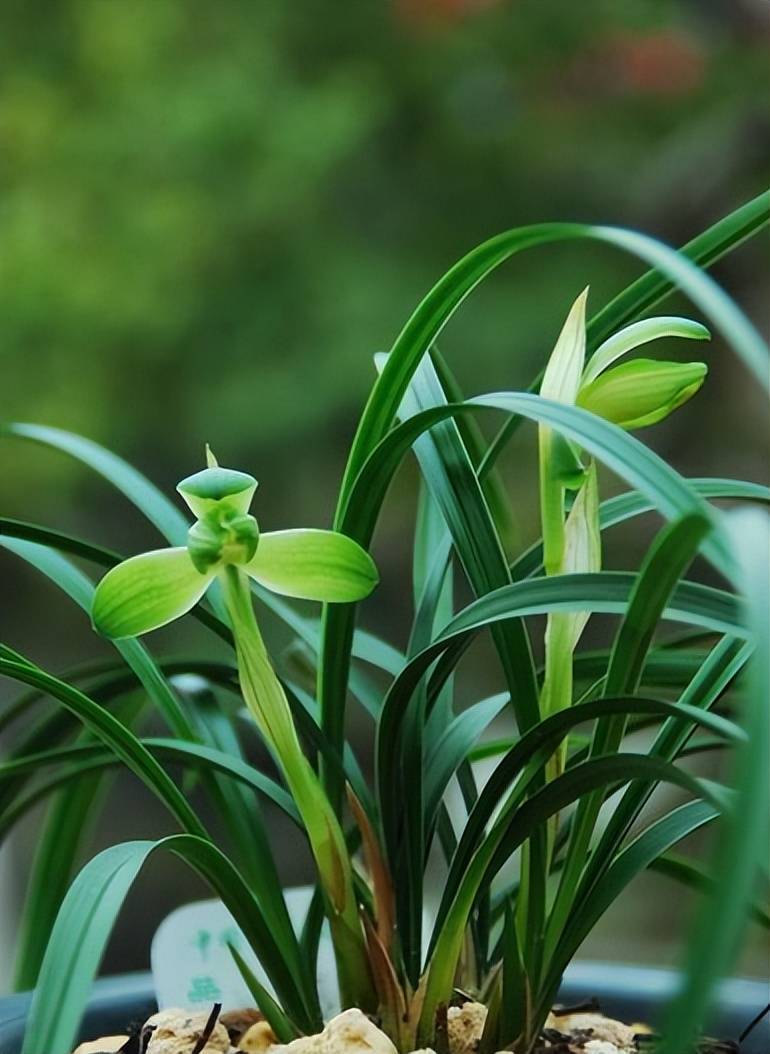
x=642 y=392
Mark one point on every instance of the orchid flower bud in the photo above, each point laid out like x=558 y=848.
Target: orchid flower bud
x=641 y=392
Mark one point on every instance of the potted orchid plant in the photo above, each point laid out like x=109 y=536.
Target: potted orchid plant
x=529 y=858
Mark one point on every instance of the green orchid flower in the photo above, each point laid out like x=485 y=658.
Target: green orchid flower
x=225 y=545
x=152 y=589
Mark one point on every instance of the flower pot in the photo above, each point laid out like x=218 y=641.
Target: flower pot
x=629 y=993
x=116 y=1002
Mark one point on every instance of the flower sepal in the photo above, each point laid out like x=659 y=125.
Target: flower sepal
x=147 y=592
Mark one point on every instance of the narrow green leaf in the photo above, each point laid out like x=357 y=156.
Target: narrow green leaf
x=517 y=822
x=607 y=592
x=622 y=453
x=712 y=676
x=694 y=876
x=242 y=814
x=741 y=851
x=111 y=732
x=285 y=1031
x=727 y=234
x=145 y=495
x=666 y=562
x=655 y=840
x=516 y=989
x=80 y=588
x=88 y=914
x=535 y=747
x=174 y=750
x=624 y=507
x=450 y=749
x=306 y=717
x=68 y=822
x=451 y=479
x=492 y=482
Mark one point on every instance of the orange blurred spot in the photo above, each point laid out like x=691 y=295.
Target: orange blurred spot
x=665 y=63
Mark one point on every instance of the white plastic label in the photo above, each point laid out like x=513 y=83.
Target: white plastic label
x=192 y=966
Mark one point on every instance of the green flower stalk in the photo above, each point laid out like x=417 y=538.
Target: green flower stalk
x=570 y=544
x=633 y=395
x=225 y=545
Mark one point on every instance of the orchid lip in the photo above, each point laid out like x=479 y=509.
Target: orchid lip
x=218 y=490
x=216 y=483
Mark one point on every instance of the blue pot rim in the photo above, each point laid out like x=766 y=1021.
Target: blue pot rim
x=630 y=992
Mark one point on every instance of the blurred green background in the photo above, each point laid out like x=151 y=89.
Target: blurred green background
x=213 y=214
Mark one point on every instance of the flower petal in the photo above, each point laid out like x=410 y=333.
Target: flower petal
x=313 y=565
x=146 y=592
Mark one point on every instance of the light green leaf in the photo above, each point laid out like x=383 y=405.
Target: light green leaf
x=642 y=392
x=639 y=333
x=146 y=592
x=313 y=565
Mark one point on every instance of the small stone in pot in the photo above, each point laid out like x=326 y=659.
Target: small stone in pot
x=105 y=1045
